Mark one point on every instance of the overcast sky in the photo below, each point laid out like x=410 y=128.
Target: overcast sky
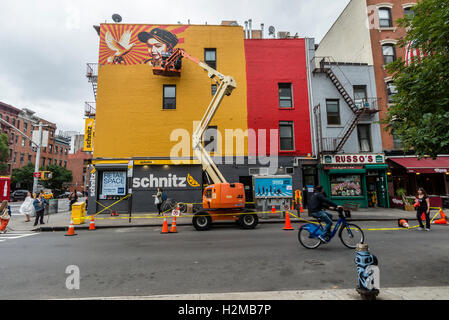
x=45 y=44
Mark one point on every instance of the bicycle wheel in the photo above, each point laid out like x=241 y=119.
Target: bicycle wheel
x=350 y=235
x=307 y=240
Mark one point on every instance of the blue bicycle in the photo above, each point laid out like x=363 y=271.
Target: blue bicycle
x=349 y=233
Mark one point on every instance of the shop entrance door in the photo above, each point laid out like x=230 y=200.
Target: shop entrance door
x=248 y=185
x=381 y=191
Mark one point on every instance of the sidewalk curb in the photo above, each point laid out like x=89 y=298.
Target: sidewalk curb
x=86 y=227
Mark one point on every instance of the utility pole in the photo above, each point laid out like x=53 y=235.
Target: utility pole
x=38 y=158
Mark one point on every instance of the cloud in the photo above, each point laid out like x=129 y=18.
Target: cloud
x=47 y=43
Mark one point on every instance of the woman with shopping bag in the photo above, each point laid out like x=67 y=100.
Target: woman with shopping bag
x=27 y=207
x=4 y=216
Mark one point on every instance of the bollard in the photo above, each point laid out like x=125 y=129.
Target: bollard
x=367 y=272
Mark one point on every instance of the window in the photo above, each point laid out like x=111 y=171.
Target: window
x=50 y=148
x=210 y=57
x=363 y=131
x=285 y=95
x=17 y=139
x=346 y=185
x=389 y=53
x=43 y=162
x=66 y=151
x=60 y=163
x=213 y=89
x=29 y=158
x=333 y=112
x=391 y=91
x=359 y=95
x=15 y=157
x=65 y=164
x=169 y=97
x=23 y=142
x=49 y=161
x=18 y=124
x=385 y=20
x=56 y=149
x=14 y=121
x=210 y=139
x=25 y=126
x=22 y=158
x=409 y=13
x=286 y=142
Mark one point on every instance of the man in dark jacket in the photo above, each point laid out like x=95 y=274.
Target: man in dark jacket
x=317 y=204
x=39 y=206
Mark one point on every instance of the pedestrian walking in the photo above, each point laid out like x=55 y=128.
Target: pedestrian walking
x=158 y=200
x=39 y=206
x=5 y=215
x=423 y=206
x=73 y=197
x=27 y=207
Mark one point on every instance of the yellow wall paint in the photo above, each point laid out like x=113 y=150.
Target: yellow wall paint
x=130 y=121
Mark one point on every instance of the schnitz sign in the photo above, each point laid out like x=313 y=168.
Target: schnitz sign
x=368 y=158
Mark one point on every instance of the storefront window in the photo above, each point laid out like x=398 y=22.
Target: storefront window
x=346 y=185
x=113 y=183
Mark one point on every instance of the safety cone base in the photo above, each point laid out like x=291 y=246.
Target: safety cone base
x=70 y=235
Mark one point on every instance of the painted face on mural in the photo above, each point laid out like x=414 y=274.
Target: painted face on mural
x=158 y=41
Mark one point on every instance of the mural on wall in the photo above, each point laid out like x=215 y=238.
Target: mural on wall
x=137 y=44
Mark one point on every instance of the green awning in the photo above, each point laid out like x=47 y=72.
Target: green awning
x=376 y=166
x=345 y=171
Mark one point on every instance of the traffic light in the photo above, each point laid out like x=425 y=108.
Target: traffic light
x=46 y=175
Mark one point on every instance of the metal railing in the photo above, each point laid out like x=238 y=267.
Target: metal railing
x=92 y=72
x=370 y=104
x=329 y=144
x=89 y=109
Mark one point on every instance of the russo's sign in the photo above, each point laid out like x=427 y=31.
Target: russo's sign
x=353 y=159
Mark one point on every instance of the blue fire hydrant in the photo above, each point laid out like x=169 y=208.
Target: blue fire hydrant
x=367 y=272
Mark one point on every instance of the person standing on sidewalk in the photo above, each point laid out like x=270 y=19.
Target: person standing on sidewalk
x=27 y=207
x=39 y=207
x=424 y=207
x=158 y=200
x=73 y=197
x=5 y=215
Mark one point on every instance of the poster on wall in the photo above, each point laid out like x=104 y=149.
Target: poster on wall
x=129 y=44
x=113 y=184
x=273 y=187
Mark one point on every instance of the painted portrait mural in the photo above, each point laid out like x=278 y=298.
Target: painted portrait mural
x=137 y=44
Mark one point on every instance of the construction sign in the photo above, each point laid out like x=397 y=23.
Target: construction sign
x=89 y=135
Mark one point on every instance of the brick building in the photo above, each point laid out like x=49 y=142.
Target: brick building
x=22 y=151
x=77 y=163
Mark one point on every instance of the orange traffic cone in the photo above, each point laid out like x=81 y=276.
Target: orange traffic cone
x=92 y=223
x=71 y=230
x=165 y=225
x=273 y=209
x=423 y=217
x=178 y=209
x=403 y=223
x=173 y=226
x=288 y=225
x=292 y=207
x=301 y=209
x=442 y=219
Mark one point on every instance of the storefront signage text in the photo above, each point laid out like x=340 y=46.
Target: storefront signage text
x=353 y=159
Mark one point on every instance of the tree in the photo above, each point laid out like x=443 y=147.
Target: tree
x=420 y=114
x=60 y=176
x=4 y=152
x=24 y=176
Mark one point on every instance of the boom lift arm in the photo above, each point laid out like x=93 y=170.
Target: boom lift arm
x=225 y=86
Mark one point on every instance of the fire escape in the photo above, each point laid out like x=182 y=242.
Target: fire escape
x=360 y=108
x=92 y=77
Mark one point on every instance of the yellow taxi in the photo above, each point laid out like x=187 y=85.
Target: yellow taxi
x=47 y=194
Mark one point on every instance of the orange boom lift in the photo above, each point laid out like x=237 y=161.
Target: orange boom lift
x=221 y=200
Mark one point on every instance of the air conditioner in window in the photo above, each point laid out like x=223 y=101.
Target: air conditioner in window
x=258 y=171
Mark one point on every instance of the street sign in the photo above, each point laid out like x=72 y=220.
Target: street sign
x=175 y=213
x=37 y=174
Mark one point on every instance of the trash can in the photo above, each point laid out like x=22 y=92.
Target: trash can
x=53 y=206
x=78 y=212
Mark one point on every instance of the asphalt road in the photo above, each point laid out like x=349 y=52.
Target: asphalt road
x=141 y=261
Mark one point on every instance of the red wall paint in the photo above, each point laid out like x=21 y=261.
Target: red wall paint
x=269 y=62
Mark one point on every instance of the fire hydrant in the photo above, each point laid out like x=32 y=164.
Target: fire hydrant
x=367 y=272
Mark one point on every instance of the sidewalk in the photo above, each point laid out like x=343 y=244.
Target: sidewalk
x=60 y=221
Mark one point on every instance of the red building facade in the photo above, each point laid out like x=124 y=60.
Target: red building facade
x=278 y=95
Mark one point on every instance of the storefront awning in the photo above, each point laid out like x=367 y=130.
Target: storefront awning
x=425 y=165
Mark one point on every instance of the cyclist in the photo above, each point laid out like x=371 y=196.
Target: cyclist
x=317 y=204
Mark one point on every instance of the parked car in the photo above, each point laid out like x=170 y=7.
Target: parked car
x=19 y=195
x=65 y=194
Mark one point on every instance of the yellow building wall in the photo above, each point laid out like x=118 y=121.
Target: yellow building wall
x=130 y=121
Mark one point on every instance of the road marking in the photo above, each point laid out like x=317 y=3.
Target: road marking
x=15 y=235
